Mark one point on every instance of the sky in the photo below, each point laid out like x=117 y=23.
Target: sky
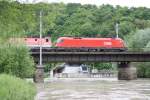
x=128 y=3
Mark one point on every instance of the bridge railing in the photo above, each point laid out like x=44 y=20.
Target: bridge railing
x=55 y=49
x=100 y=74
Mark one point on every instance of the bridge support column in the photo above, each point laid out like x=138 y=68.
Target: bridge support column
x=126 y=71
x=39 y=74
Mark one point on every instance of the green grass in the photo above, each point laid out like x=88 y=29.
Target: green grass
x=13 y=88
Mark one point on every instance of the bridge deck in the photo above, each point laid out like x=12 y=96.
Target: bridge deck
x=92 y=56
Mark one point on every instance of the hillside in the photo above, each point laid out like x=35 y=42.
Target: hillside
x=71 y=19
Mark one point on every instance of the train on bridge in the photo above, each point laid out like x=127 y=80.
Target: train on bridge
x=76 y=44
x=90 y=44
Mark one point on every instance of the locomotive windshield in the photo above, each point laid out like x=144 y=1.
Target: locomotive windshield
x=59 y=40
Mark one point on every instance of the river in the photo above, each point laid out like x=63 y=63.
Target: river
x=94 y=90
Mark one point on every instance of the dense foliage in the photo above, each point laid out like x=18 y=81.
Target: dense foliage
x=15 y=60
x=140 y=41
x=101 y=66
x=143 y=37
x=75 y=20
x=13 y=88
x=71 y=19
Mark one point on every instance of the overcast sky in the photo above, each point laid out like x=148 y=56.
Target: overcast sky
x=129 y=3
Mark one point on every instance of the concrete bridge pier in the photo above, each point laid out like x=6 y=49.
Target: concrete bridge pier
x=39 y=74
x=126 y=71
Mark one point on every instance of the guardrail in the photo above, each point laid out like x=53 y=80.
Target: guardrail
x=100 y=74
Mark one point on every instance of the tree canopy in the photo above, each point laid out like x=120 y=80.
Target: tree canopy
x=71 y=19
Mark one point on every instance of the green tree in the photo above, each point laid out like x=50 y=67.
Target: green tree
x=15 y=60
x=141 y=41
x=143 y=37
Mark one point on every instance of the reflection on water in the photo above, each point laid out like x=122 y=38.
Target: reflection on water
x=94 y=90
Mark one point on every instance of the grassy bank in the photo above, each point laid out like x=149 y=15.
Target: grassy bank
x=13 y=88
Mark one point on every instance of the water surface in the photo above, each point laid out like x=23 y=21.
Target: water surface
x=94 y=90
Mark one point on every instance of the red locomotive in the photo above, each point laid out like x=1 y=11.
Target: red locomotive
x=97 y=44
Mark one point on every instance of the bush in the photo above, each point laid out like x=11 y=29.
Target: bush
x=15 y=60
x=143 y=70
x=141 y=41
x=13 y=88
x=101 y=66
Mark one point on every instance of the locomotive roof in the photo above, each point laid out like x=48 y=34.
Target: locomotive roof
x=89 y=38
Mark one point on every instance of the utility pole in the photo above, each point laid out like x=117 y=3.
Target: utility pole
x=40 y=38
x=117 y=30
x=39 y=73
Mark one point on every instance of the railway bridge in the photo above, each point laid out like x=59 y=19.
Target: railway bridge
x=125 y=69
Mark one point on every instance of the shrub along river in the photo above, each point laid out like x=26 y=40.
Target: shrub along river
x=94 y=90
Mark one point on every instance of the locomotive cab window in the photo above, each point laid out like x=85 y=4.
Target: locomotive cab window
x=35 y=39
x=47 y=40
x=59 y=41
